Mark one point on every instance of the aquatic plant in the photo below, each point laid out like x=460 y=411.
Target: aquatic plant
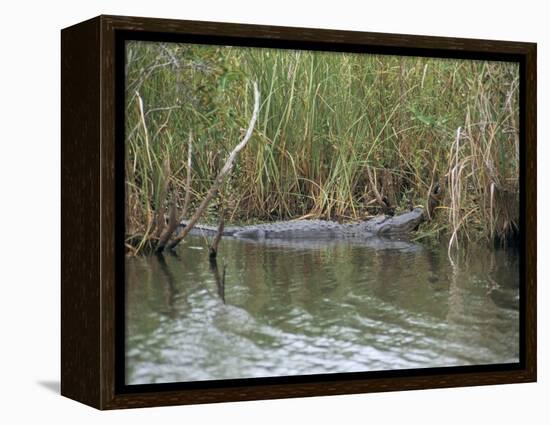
x=341 y=136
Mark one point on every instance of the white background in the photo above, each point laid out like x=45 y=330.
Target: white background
x=30 y=210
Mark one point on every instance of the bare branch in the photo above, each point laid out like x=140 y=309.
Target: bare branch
x=172 y=225
x=220 y=281
x=145 y=131
x=223 y=173
x=213 y=253
x=430 y=206
x=372 y=181
x=188 y=179
x=173 y=222
x=159 y=220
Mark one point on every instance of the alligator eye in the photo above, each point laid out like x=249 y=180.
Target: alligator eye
x=385 y=229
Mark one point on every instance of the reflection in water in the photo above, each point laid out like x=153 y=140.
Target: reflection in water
x=171 y=289
x=220 y=280
x=322 y=307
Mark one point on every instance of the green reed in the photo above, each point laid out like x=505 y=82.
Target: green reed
x=326 y=120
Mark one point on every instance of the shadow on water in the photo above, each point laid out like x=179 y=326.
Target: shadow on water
x=170 y=284
x=170 y=281
x=220 y=280
x=504 y=292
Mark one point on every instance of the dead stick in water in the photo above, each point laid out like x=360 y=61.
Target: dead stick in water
x=372 y=181
x=221 y=176
x=172 y=225
x=214 y=247
x=429 y=200
x=188 y=179
x=220 y=281
x=159 y=220
x=173 y=222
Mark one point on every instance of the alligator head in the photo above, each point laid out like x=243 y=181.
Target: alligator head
x=399 y=224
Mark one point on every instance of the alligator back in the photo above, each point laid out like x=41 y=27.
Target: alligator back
x=319 y=229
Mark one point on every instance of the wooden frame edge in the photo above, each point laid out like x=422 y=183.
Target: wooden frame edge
x=80 y=244
x=103 y=371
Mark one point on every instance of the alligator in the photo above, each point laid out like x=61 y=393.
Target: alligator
x=379 y=226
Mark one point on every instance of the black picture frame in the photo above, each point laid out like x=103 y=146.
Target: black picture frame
x=92 y=155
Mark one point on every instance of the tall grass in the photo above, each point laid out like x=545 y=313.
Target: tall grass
x=334 y=129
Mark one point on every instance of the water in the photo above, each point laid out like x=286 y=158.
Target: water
x=323 y=307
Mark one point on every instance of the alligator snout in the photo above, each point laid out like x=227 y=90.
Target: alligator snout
x=401 y=224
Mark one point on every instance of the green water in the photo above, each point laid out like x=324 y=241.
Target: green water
x=323 y=307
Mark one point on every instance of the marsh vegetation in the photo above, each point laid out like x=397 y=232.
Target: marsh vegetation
x=338 y=136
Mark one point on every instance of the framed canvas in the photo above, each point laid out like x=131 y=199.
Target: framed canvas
x=254 y=212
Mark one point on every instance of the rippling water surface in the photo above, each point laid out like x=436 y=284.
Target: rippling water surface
x=320 y=307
